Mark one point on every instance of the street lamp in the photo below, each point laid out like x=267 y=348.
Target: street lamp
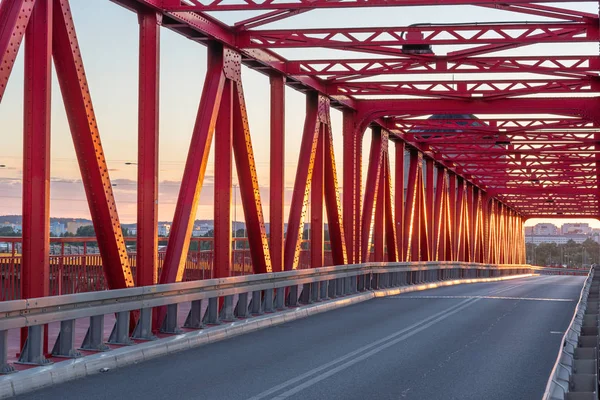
x=2 y=166
x=130 y=163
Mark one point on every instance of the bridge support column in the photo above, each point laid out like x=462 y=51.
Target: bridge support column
x=147 y=207
x=35 y=261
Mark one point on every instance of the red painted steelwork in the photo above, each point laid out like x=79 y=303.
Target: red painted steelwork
x=88 y=147
x=147 y=213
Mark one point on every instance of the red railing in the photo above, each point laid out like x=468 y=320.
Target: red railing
x=76 y=265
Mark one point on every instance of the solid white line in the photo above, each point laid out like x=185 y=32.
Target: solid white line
x=323 y=367
x=364 y=356
x=415 y=328
x=479 y=297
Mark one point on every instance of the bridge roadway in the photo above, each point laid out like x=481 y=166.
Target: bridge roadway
x=478 y=341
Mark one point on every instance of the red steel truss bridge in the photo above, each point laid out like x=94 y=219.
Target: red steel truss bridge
x=490 y=124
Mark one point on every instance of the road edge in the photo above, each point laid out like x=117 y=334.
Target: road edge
x=64 y=371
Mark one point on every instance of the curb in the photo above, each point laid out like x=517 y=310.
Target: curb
x=40 y=377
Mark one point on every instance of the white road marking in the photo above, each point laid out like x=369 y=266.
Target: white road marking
x=480 y=297
x=556 y=333
x=368 y=354
x=385 y=342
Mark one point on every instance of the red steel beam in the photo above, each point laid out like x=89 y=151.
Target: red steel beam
x=351 y=188
x=14 y=18
x=343 y=69
x=147 y=212
x=316 y=205
x=378 y=145
x=399 y=199
x=337 y=237
x=411 y=248
x=391 y=241
x=430 y=201
x=382 y=37
x=306 y=162
x=277 y=170
x=223 y=182
x=467 y=88
x=195 y=168
x=35 y=260
x=248 y=5
x=246 y=171
x=90 y=154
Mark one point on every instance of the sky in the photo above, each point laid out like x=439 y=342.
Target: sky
x=108 y=36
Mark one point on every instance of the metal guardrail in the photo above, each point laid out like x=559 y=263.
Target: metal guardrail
x=575 y=373
x=268 y=292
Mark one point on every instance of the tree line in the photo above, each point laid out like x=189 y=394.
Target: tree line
x=571 y=253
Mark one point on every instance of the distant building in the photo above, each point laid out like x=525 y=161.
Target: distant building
x=57 y=228
x=581 y=229
x=72 y=226
x=558 y=239
x=529 y=230
x=164 y=229
x=545 y=229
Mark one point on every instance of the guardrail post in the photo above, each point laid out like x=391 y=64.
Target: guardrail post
x=241 y=309
x=324 y=290
x=361 y=283
x=65 y=342
x=280 y=298
x=194 y=317
x=375 y=281
x=293 y=296
x=5 y=367
x=332 y=288
x=305 y=295
x=120 y=331
x=256 y=303
x=211 y=317
x=169 y=324
x=94 y=338
x=227 y=313
x=33 y=351
x=143 y=328
x=315 y=292
x=339 y=287
x=268 y=301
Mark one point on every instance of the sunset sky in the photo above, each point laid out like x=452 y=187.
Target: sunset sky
x=108 y=35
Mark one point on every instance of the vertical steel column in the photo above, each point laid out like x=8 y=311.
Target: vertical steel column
x=430 y=203
x=350 y=189
x=35 y=261
x=460 y=220
x=470 y=225
x=391 y=240
x=452 y=216
x=424 y=218
x=316 y=205
x=246 y=170
x=223 y=183
x=371 y=191
x=378 y=219
x=195 y=168
x=335 y=222
x=411 y=247
x=277 y=166
x=14 y=17
x=438 y=239
x=399 y=200
x=306 y=163
x=147 y=194
x=449 y=221
x=90 y=154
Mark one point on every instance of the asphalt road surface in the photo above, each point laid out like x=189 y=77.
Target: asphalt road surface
x=477 y=341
